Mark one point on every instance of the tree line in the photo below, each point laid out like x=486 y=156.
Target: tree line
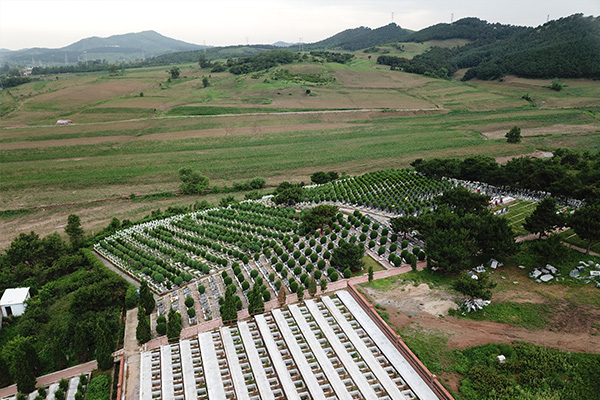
x=567 y=174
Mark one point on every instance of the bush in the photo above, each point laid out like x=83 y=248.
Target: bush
x=191 y=312
x=334 y=277
x=189 y=301
x=254 y=273
x=347 y=273
x=201 y=289
x=161 y=328
x=266 y=295
x=99 y=387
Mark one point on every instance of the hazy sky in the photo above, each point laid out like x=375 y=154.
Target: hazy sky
x=57 y=23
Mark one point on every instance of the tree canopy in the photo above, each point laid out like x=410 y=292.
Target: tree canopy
x=318 y=217
x=348 y=256
x=192 y=182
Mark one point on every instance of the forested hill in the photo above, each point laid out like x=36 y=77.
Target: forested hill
x=466 y=28
x=361 y=38
x=565 y=48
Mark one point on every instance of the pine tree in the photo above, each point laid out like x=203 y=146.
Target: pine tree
x=312 y=287
x=146 y=298
x=142 y=333
x=228 y=309
x=74 y=230
x=370 y=273
x=323 y=284
x=173 y=324
x=103 y=350
x=300 y=292
x=256 y=303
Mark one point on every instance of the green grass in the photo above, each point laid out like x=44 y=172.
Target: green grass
x=571 y=237
x=369 y=262
x=525 y=315
x=517 y=212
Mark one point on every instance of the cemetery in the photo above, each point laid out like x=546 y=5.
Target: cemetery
x=241 y=245
x=325 y=348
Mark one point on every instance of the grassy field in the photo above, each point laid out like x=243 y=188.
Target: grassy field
x=131 y=133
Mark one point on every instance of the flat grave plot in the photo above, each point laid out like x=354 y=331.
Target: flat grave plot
x=399 y=192
x=241 y=246
x=320 y=349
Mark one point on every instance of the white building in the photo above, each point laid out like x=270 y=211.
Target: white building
x=13 y=301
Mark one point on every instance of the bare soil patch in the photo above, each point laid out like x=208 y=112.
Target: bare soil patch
x=535 y=154
x=573 y=327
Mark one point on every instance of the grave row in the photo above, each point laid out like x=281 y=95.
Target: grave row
x=322 y=349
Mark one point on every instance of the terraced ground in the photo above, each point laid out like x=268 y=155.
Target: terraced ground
x=131 y=133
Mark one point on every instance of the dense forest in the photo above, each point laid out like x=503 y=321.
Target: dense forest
x=568 y=174
x=361 y=38
x=75 y=305
x=565 y=48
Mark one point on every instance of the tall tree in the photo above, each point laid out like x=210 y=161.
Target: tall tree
x=74 y=230
x=318 y=217
x=544 y=218
x=23 y=363
x=103 y=347
x=173 y=324
x=348 y=255
x=300 y=292
x=146 y=298
x=585 y=221
x=228 y=308
x=142 y=332
x=312 y=286
x=256 y=303
x=462 y=201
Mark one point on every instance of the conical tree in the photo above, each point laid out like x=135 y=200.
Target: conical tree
x=312 y=286
x=228 y=309
x=146 y=298
x=142 y=333
x=103 y=350
x=173 y=324
x=74 y=230
x=300 y=292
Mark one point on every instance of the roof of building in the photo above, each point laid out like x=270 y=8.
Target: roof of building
x=14 y=296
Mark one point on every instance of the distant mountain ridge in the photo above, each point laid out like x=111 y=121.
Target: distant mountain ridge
x=116 y=48
x=565 y=48
x=361 y=38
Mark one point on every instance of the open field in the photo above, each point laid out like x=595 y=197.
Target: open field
x=554 y=316
x=357 y=118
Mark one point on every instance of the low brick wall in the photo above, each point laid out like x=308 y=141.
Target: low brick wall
x=428 y=377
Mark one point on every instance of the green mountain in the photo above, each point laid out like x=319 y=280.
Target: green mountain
x=361 y=38
x=565 y=48
x=466 y=28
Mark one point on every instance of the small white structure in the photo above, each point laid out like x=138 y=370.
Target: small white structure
x=13 y=301
x=64 y=122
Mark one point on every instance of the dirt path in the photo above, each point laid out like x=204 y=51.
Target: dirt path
x=408 y=305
